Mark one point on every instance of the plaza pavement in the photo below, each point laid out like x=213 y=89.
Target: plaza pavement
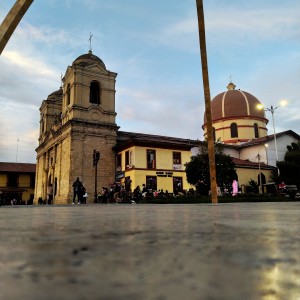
x=203 y=251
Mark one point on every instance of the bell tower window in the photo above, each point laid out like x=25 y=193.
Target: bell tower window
x=95 y=92
x=234 y=130
x=68 y=94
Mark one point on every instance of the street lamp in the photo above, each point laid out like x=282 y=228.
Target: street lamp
x=272 y=109
x=96 y=157
x=259 y=170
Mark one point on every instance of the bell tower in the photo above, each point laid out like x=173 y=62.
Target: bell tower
x=87 y=123
x=89 y=91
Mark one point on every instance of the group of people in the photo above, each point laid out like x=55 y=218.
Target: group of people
x=119 y=193
x=79 y=191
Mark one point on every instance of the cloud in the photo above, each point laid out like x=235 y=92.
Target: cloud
x=29 y=64
x=230 y=27
x=165 y=111
x=18 y=122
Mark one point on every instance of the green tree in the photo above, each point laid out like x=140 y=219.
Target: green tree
x=198 y=168
x=290 y=167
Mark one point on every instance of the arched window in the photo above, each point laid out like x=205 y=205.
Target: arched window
x=263 y=179
x=234 y=130
x=42 y=124
x=95 y=92
x=68 y=94
x=256 y=132
x=214 y=134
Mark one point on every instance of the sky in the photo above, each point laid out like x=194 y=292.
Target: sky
x=154 y=48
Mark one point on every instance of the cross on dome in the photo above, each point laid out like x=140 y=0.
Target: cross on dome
x=90 y=39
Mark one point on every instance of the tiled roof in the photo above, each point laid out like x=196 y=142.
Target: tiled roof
x=268 y=138
x=17 y=167
x=127 y=139
x=250 y=164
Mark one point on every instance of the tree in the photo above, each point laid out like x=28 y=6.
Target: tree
x=198 y=168
x=290 y=167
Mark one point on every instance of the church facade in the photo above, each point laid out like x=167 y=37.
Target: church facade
x=74 y=121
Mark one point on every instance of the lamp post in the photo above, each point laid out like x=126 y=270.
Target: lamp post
x=96 y=157
x=272 y=109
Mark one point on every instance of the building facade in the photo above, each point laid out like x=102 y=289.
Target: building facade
x=74 y=121
x=79 y=119
x=17 y=181
x=156 y=161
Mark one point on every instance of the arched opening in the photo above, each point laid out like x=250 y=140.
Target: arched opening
x=256 y=132
x=68 y=94
x=95 y=92
x=42 y=124
x=234 y=130
x=263 y=179
x=214 y=134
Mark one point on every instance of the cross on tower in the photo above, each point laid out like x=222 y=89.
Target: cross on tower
x=90 y=39
x=61 y=80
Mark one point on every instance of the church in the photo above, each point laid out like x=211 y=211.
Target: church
x=78 y=121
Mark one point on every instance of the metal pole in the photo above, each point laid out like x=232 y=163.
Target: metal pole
x=210 y=140
x=96 y=157
x=12 y=20
x=17 y=150
x=275 y=140
x=260 y=182
x=95 y=193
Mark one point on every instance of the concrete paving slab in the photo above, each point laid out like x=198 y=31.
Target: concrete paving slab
x=225 y=251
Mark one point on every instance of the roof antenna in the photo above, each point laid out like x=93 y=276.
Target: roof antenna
x=90 y=39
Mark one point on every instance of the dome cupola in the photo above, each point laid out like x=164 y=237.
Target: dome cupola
x=236 y=117
x=88 y=59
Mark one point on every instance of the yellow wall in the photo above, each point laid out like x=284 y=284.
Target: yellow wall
x=164 y=163
x=3 y=180
x=223 y=129
x=245 y=175
x=23 y=185
x=24 y=180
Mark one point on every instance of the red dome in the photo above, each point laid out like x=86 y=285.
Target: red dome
x=235 y=104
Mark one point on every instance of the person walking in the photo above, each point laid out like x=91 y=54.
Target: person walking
x=77 y=190
x=83 y=195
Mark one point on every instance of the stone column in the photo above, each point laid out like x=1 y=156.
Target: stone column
x=12 y=20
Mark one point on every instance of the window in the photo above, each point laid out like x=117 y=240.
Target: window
x=256 y=132
x=128 y=159
x=234 y=130
x=177 y=185
x=151 y=183
x=95 y=92
x=68 y=94
x=176 y=158
x=119 y=162
x=151 y=159
x=12 y=180
x=32 y=180
x=42 y=124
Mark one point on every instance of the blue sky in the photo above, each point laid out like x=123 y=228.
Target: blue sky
x=154 y=48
